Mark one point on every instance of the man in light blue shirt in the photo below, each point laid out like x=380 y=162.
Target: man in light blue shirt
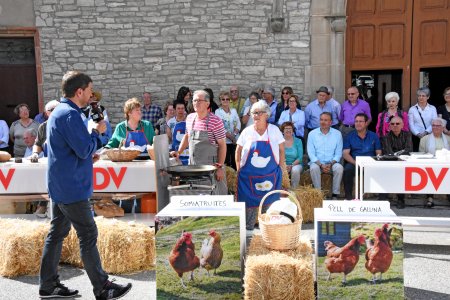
x=325 y=151
x=314 y=109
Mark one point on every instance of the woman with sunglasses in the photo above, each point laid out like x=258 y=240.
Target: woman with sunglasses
x=392 y=110
x=259 y=154
x=443 y=111
x=286 y=93
x=294 y=115
x=232 y=126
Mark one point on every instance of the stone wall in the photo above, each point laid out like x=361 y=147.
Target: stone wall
x=159 y=45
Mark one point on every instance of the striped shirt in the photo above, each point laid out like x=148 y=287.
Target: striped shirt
x=216 y=130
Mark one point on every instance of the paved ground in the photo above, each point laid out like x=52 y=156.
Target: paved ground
x=426 y=265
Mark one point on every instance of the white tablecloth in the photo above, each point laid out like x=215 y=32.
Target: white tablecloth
x=109 y=177
x=413 y=176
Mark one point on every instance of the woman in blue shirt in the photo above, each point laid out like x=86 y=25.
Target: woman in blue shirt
x=293 y=153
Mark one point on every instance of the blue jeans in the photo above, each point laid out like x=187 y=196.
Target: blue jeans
x=80 y=216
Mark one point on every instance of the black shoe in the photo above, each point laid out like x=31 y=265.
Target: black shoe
x=400 y=204
x=429 y=203
x=113 y=290
x=60 y=291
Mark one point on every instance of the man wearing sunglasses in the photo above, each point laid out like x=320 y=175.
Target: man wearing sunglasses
x=396 y=140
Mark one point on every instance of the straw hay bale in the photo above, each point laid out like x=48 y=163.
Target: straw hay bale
x=278 y=275
x=327 y=182
x=285 y=181
x=21 y=245
x=231 y=176
x=123 y=247
x=304 y=249
x=309 y=198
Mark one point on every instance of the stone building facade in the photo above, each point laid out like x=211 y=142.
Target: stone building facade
x=129 y=47
x=159 y=45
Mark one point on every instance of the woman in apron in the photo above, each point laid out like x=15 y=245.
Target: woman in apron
x=178 y=133
x=134 y=130
x=260 y=149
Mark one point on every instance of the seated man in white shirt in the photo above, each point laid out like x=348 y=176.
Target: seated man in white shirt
x=29 y=136
x=437 y=140
x=325 y=151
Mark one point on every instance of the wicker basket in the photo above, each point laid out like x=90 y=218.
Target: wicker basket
x=280 y=236
x=122 y=155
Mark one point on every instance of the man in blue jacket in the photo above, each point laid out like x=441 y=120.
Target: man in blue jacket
x=69 y=175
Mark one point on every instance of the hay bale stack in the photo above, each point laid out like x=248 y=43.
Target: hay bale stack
x=285 y=180
x=279 y=275
x=231 y=176
x=304 y=249
x=309 y=198
x=123 y=247
x=21 y=245
x=327 y=183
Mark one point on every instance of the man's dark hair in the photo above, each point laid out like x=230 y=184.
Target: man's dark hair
x=72 y=81
x=328 y=114
x=366 y=118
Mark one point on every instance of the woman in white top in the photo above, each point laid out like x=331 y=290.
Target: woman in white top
x=232 y=126
x=294 y=115
x=247 y=118
x=420 y=116
x=259 y=154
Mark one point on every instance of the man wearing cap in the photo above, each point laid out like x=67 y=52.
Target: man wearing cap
x=43 y=116
x=90 y=114
x=40 y=149
x=39 y=144
x=350 y=108
x=236 y=101
x=315 y=108
x=269 y=97
x=150 y=112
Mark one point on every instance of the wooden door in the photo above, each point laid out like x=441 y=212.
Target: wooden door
x=430 y=38
x=379 y=38
x=18 y=77
x=18 y=85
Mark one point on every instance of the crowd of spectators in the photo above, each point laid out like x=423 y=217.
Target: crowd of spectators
x=323 y=138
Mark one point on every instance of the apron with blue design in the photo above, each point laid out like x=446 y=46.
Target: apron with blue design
x=260 y=175
x=178 y=132
x=137 y=137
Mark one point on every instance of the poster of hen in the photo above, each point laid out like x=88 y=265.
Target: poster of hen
x=198 y=257
x=359 y=260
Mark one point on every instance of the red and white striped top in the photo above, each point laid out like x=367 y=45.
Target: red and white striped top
x=216 y=131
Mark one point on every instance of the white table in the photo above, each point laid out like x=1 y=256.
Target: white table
x=109 y=177
x=413 y=176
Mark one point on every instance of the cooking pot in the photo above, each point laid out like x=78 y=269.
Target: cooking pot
x=191 y=170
